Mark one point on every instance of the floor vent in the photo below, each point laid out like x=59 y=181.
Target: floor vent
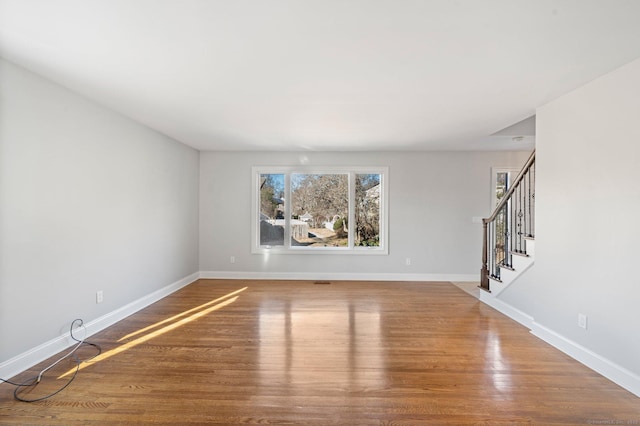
x=322 y=282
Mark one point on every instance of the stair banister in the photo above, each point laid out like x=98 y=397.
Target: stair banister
x=502 y=205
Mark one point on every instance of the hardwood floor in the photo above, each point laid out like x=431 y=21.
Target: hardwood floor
x=348 y=353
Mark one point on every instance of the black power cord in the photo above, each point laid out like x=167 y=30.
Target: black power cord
x=34 y=381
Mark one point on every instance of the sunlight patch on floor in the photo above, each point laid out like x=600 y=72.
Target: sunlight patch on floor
x=200 y=311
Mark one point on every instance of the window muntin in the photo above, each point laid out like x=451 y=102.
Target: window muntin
x=272 y=207
x=306 y=210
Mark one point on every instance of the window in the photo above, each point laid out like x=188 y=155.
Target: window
x=501 y=178
x=327 y=210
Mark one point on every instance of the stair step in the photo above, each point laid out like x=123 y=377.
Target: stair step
x=517 y=253
x=495 y=279
x=529 y=237
x=503 y=266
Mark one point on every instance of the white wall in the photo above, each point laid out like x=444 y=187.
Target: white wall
x=89 y=200
x=587 y=213
x=433 y=197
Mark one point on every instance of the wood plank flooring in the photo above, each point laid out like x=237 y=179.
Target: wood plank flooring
x=345 y=353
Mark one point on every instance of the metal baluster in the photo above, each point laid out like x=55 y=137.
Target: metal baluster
x=506 y=255
x=520 y=218
x=512 y=207
x=493 y=250
x=512 y=225
x=530 y=229
x=532 y=200
x=519 y=213
x=523 y=217
x=496 y=272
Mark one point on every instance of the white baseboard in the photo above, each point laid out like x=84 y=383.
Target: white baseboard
x=506 y=309
x=612 y=371
x=27 y=359
x=344 y=276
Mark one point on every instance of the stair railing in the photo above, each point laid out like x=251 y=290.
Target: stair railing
x=511 y=223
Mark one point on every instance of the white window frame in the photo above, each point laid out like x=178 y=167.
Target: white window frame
x=287 y=248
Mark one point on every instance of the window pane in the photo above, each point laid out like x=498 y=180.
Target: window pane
x=319 y=210
x=367 y=232
x=501 y=185
x=272 y=209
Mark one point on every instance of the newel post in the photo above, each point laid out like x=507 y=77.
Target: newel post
x=484 y=272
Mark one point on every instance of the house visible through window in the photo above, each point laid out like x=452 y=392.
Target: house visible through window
x=323 y=210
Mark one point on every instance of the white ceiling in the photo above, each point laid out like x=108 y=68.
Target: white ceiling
x=324 y=74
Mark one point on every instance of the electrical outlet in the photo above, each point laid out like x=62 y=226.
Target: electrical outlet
x=99 y=296
x=232 y=259
x=582 y=321
x=407 y=261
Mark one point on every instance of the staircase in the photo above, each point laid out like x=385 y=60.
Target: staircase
x=509 y=234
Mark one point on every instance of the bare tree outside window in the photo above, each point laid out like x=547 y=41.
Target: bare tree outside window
x=367 y=210
x=324 y=198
